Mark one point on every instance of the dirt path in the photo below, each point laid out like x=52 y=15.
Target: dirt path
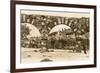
x=29 y=56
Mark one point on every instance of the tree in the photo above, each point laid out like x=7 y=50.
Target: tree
x=24 y=31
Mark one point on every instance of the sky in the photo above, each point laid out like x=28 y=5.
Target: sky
x=56 y=13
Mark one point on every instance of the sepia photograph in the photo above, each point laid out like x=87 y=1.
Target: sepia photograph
x=49 y=37
x=52 y=36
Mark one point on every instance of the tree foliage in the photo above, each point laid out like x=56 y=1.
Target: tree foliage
x=24 y=31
